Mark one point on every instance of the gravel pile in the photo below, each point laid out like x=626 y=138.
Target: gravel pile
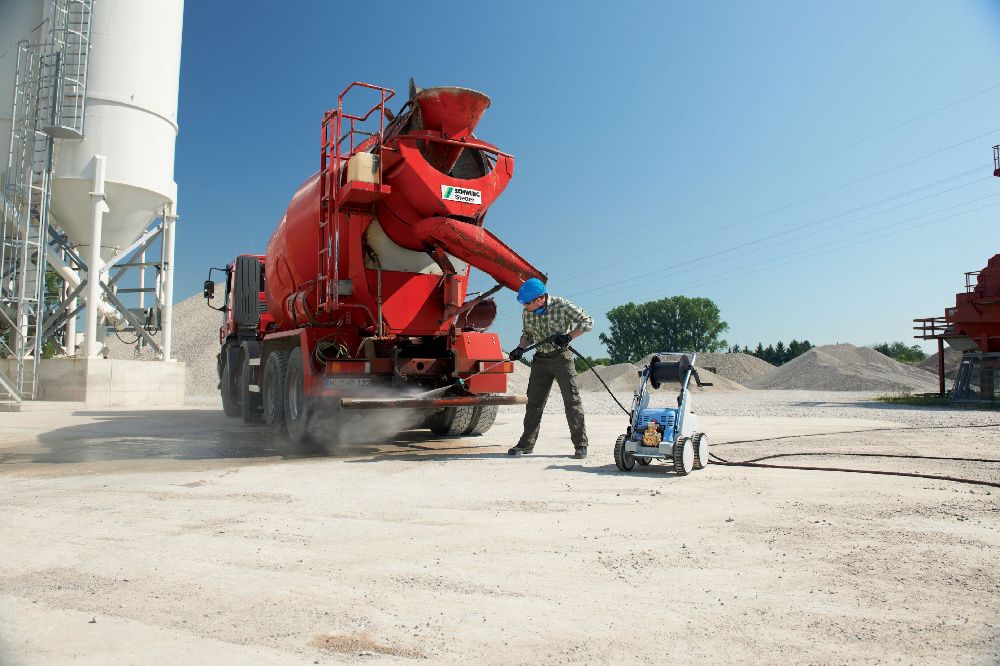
x=618 y=377
x=845 y=367
x=739 y=367
x=195 y=341
x=952 y=359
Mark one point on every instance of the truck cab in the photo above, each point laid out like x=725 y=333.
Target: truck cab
x=244 y=320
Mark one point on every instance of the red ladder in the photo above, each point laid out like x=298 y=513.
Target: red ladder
x=332 y=162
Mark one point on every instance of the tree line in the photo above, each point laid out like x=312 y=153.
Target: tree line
x=775 y=354
x=681 y=323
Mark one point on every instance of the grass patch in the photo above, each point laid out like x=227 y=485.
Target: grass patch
x=934 y=400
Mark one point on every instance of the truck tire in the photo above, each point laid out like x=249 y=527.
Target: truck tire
x=483 y=421
x=459 y=421
x=273 y=390
x=230 y=403
x=297 y=406
x=249 y=401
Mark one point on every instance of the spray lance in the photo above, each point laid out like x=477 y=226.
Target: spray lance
x=459 y=384
x=420 y=400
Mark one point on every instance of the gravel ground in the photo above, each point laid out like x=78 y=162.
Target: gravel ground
x=847 y=405
x=180 y=536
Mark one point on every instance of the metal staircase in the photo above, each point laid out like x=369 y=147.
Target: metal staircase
x=49 y=103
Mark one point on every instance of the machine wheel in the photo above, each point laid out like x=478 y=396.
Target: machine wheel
x=700 y=442
x=230 y=403
x=683 y=456
x=643 y=460
x=623 y=459
x=273 y=390
x=249 y=401
x=297 y=406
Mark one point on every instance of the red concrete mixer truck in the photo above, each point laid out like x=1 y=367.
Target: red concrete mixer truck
x=361 y=300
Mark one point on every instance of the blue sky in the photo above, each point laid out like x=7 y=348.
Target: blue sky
x=821 y=171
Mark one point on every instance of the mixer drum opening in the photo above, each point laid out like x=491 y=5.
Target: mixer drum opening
x=472 y=164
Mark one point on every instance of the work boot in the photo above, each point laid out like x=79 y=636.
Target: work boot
x=519 y=450
x=580 y=452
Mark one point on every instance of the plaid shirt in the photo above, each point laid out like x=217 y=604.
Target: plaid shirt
x=560 y=316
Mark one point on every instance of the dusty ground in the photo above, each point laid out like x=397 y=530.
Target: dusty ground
x=180 y=536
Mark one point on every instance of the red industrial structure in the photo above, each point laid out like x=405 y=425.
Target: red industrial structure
x=973 y=324
x=362 y=292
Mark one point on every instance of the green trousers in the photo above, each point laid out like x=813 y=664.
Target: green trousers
x=544 y=369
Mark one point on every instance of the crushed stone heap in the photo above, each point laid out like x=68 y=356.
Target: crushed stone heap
x=737 y=367
x=952 y=359
x=195 y=342
x=845 y=367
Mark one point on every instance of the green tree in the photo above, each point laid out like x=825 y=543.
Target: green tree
x=901 y=352
x=677 y=323
x=779 y=354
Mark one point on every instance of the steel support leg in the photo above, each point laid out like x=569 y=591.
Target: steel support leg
x=100 y=207
x=169 y=224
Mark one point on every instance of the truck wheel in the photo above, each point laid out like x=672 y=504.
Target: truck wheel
x=273 y=390
x=298 y=407
x=452 y=421
x=483 y=420
x=458 y=421
x=230 y=404
x=249 y=401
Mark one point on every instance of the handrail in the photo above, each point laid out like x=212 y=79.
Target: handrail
x=332 y=157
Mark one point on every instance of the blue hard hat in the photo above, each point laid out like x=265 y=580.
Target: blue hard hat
x=530 y=290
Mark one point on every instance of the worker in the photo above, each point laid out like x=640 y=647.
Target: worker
x=553 y=322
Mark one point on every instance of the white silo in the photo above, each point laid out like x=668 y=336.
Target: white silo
x=112 y=166
x=130 y=122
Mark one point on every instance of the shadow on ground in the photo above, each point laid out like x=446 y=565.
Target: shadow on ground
x=209 y=435
x=658 y=471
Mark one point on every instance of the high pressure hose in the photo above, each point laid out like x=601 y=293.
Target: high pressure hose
x=610 y=392
x=755 y=462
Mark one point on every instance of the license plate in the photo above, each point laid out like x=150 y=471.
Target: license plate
x=341 y=382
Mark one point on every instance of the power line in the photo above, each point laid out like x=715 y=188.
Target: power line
x=739 y=246
x=794 y=203
x=828 y=218
x=792 y=258
x=662 y=270
x=769 y=263
x=790 y=169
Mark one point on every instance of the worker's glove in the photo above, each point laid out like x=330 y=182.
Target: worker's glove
x=562 y=341
x=516 y=353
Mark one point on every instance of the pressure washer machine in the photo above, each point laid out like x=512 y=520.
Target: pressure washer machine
x=664 y=433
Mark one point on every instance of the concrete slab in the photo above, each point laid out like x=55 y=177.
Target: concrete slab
x=108 y=382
